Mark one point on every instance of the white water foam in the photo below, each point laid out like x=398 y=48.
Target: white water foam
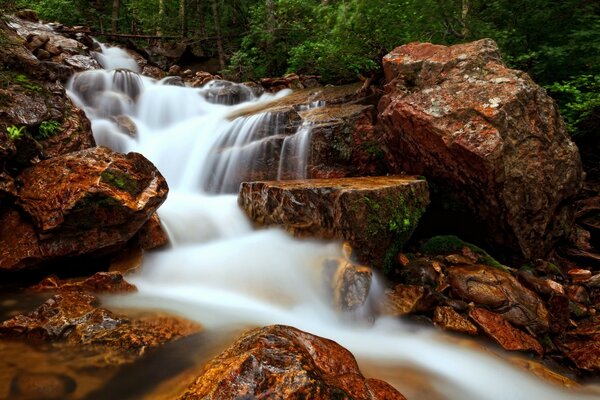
x=222 y=273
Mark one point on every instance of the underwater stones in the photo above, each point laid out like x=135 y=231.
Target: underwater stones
x=490 y=141
x=72 y=319
x=348 y=282
x=499 y=290
x=80 y=203
x=376 y=215
x=282 y=362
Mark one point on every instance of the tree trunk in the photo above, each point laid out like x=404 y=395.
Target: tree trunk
x=182 y=18
x=115 y=16
x=218 y=32
x=463 y=19
x=161 y=17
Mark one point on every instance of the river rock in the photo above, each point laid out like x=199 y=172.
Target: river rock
x=582 y=345
x=282 y=362
x=72 y=319
x=402 y=300
x=499 y=290
x=490 y=141
x=375 y=215
x=507 y=336
x=100 y=282
x=447 y=318
x=338 y=125
x=80 y=203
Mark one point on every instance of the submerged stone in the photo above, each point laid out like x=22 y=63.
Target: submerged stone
x=376 y=215
x=282 y=362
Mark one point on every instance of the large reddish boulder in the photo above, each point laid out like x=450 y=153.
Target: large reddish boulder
x=281 y=362
x=489 y=140
x=80 y=203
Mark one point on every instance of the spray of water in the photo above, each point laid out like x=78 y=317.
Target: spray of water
x=221 y=272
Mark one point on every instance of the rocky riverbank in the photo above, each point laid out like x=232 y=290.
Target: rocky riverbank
x=491 y=163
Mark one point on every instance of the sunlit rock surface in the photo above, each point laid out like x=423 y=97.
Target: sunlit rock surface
x=282 y=362
x=72 y=319
x=375 y=215
x=79 y=203
x=488 y=138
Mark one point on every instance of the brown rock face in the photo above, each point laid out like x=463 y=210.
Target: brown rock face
x=80 y=203
x=504 y=333
x=281 y=362
x=375 y=215
x=73 y=319
x=501 y=291
x=488 y=138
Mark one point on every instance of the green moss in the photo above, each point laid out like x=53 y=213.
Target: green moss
x=374 y=149
x=392 y=216
x=451 y=244
x=120 y=180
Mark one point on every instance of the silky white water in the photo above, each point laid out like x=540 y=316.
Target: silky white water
x=221 y=272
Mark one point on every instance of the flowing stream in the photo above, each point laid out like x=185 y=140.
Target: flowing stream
x=223 y=273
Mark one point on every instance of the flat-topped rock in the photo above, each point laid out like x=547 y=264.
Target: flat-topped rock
x=376 y=215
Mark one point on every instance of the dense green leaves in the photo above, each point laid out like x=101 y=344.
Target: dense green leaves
x=557 y=42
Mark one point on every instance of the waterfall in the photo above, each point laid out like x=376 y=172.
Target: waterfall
x=221 y=272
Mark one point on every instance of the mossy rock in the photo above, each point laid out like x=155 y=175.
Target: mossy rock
x=447 y=244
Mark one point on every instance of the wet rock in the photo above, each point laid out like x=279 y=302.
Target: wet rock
x=447 y=318
x=343 y=138
x=73 y=319
x=543 y=286
x=579 y=275
x=152 y=235
x=375 y=215
x=27 y=14
x=100 y=282
x=351 y=285
x=41 y=385
x=490 y=141
x=80 y=203
x=420 y=271
x=507 y=336
x=402 y=300
x=558 y=308
x=500 y=291
x=284 y=363
x=583 y=345
x=578 y=294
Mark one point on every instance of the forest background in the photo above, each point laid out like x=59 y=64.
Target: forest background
x=556 y=41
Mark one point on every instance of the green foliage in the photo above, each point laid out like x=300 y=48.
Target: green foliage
x=65 y=11
x=451 y=244
x=48 y=129
x=15 y=133
x=579 y=100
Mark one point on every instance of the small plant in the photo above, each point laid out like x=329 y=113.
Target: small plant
x=26 y=83
x=15 y=133
x=48 y=128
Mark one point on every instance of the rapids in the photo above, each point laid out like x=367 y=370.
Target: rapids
x=224 y=274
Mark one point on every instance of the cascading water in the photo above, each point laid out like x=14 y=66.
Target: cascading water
x=221 y=272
